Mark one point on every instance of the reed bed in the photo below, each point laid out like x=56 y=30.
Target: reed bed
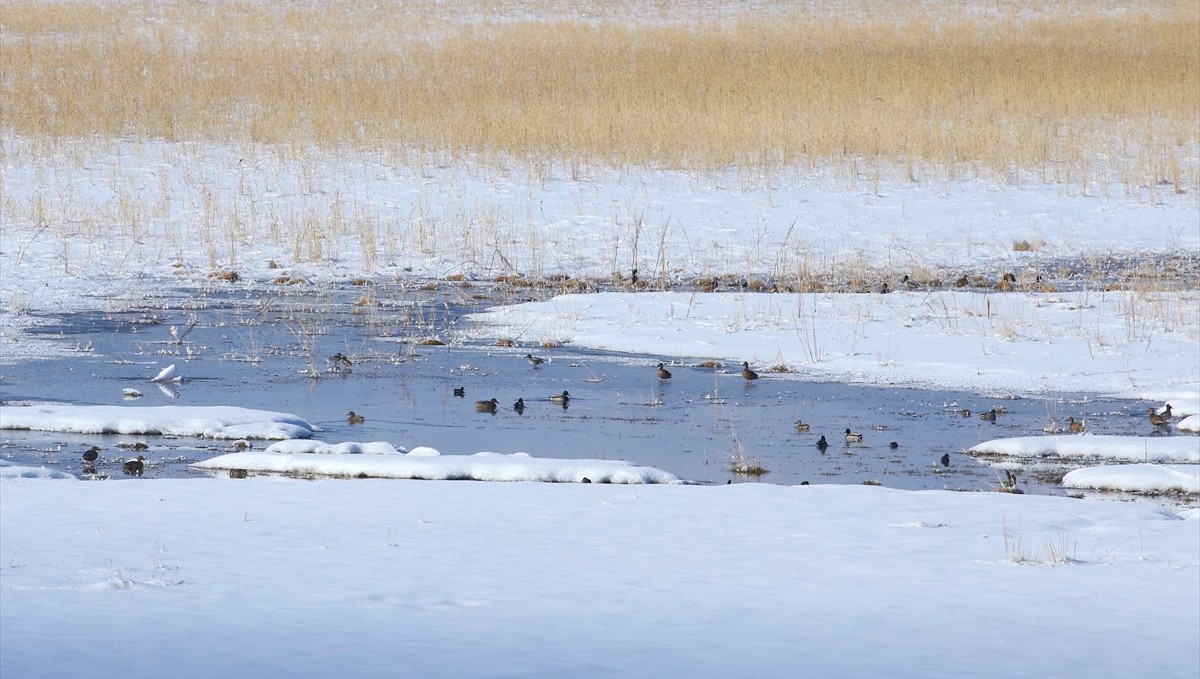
x=1063 y=94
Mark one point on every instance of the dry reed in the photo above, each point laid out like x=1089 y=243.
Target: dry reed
x=1050 y=92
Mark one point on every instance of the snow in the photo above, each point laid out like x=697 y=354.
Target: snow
x=10 y=471
x=430 y=465
x=1190 y=423
x=345 y=448
x=1002 y=343
x=1145 y=478
x=201 y=578
x=218 y=422
x=1131 y=448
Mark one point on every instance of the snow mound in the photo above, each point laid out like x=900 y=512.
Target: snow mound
x=1131 y=448
x=218 y=422
x=1189 y=423
x=9 y=470
x=1143 y=478
x=430 y=465
x=301 y=446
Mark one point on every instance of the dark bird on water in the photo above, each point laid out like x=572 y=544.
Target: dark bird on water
x=534 y=360
x=460 y=391
x=354 y=418
x=748 y=374
x=91 y=454
x=488 y=406
x=822 y=444
x=946 y=459
x=134 y=467
x=989 y=416
x=893 y=445
x=519 y=406
x=663 y=373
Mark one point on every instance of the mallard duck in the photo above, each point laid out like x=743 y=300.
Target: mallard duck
x=339 y=360
x=91 y=454
x=853 y=436
x=354 y=418
x=1166 y=411
x=822 y=444
x=460 y=392
x=488 y=406
x=534 y=360
x=1075 y=425
x=801 y=426
x=561 y=398
x=945 y=459
x=134 y=467
x=748 y=374
x=1156 y=419
x=663 y=373
x=989 y=416
x=519 y=406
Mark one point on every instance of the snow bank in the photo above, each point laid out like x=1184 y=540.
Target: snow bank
x=1132 y=448
x=1143 y=478
x=218 y=422
x=1189 y=423
x=9 y=470
x=295 y=446
x=429 y=465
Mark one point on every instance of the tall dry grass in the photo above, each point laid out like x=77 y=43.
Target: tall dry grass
x=1066 y=93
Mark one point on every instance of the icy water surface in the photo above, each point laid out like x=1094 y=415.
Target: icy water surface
x=268 y=350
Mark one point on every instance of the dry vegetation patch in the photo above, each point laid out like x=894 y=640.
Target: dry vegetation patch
x=1051 y=90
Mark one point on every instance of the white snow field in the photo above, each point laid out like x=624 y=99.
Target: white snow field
x=1145 y=478
x=218 y=422
x=274 y=577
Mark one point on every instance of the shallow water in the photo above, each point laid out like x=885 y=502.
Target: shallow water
x=259 y=348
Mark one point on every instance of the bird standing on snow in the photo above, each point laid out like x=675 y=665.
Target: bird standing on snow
x=853 y=436
x=663 y=373
x=134 y=467
x=748 y=374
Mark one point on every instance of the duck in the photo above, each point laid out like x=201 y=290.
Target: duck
x=748 y=374
x=134 y=467
x=91 y=454
x=945 y=459
x=562 y=398
x=1075 y=425
x=822 y=444
x=354 y=418
x=460 y=391
x=965 y=412
x=488 y=406
x=534 y=360
x=893 y=445
x=1166 y=412
x=853 y=436
x=339 y=360
x=801 y=426
x=519 y=406
x=989 y=416
x=1156 y=419
x=663 y=373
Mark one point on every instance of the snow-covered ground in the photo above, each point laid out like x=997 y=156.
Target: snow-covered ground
x=282 y=577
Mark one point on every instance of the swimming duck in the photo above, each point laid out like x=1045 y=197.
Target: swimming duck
x=893 y=445
x=91 y=454
x=663 y=373
x=534 y=360
x=1075 y=425
x=519 y=406
x=460 y=391
x=989 y=416
x=134 y=467
x=853 y=436
x=946 y=459
x=353 y=418
x=748 y=374
x=965 y=412
x=822 y=444
x=488 y=406
x=801 y=426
